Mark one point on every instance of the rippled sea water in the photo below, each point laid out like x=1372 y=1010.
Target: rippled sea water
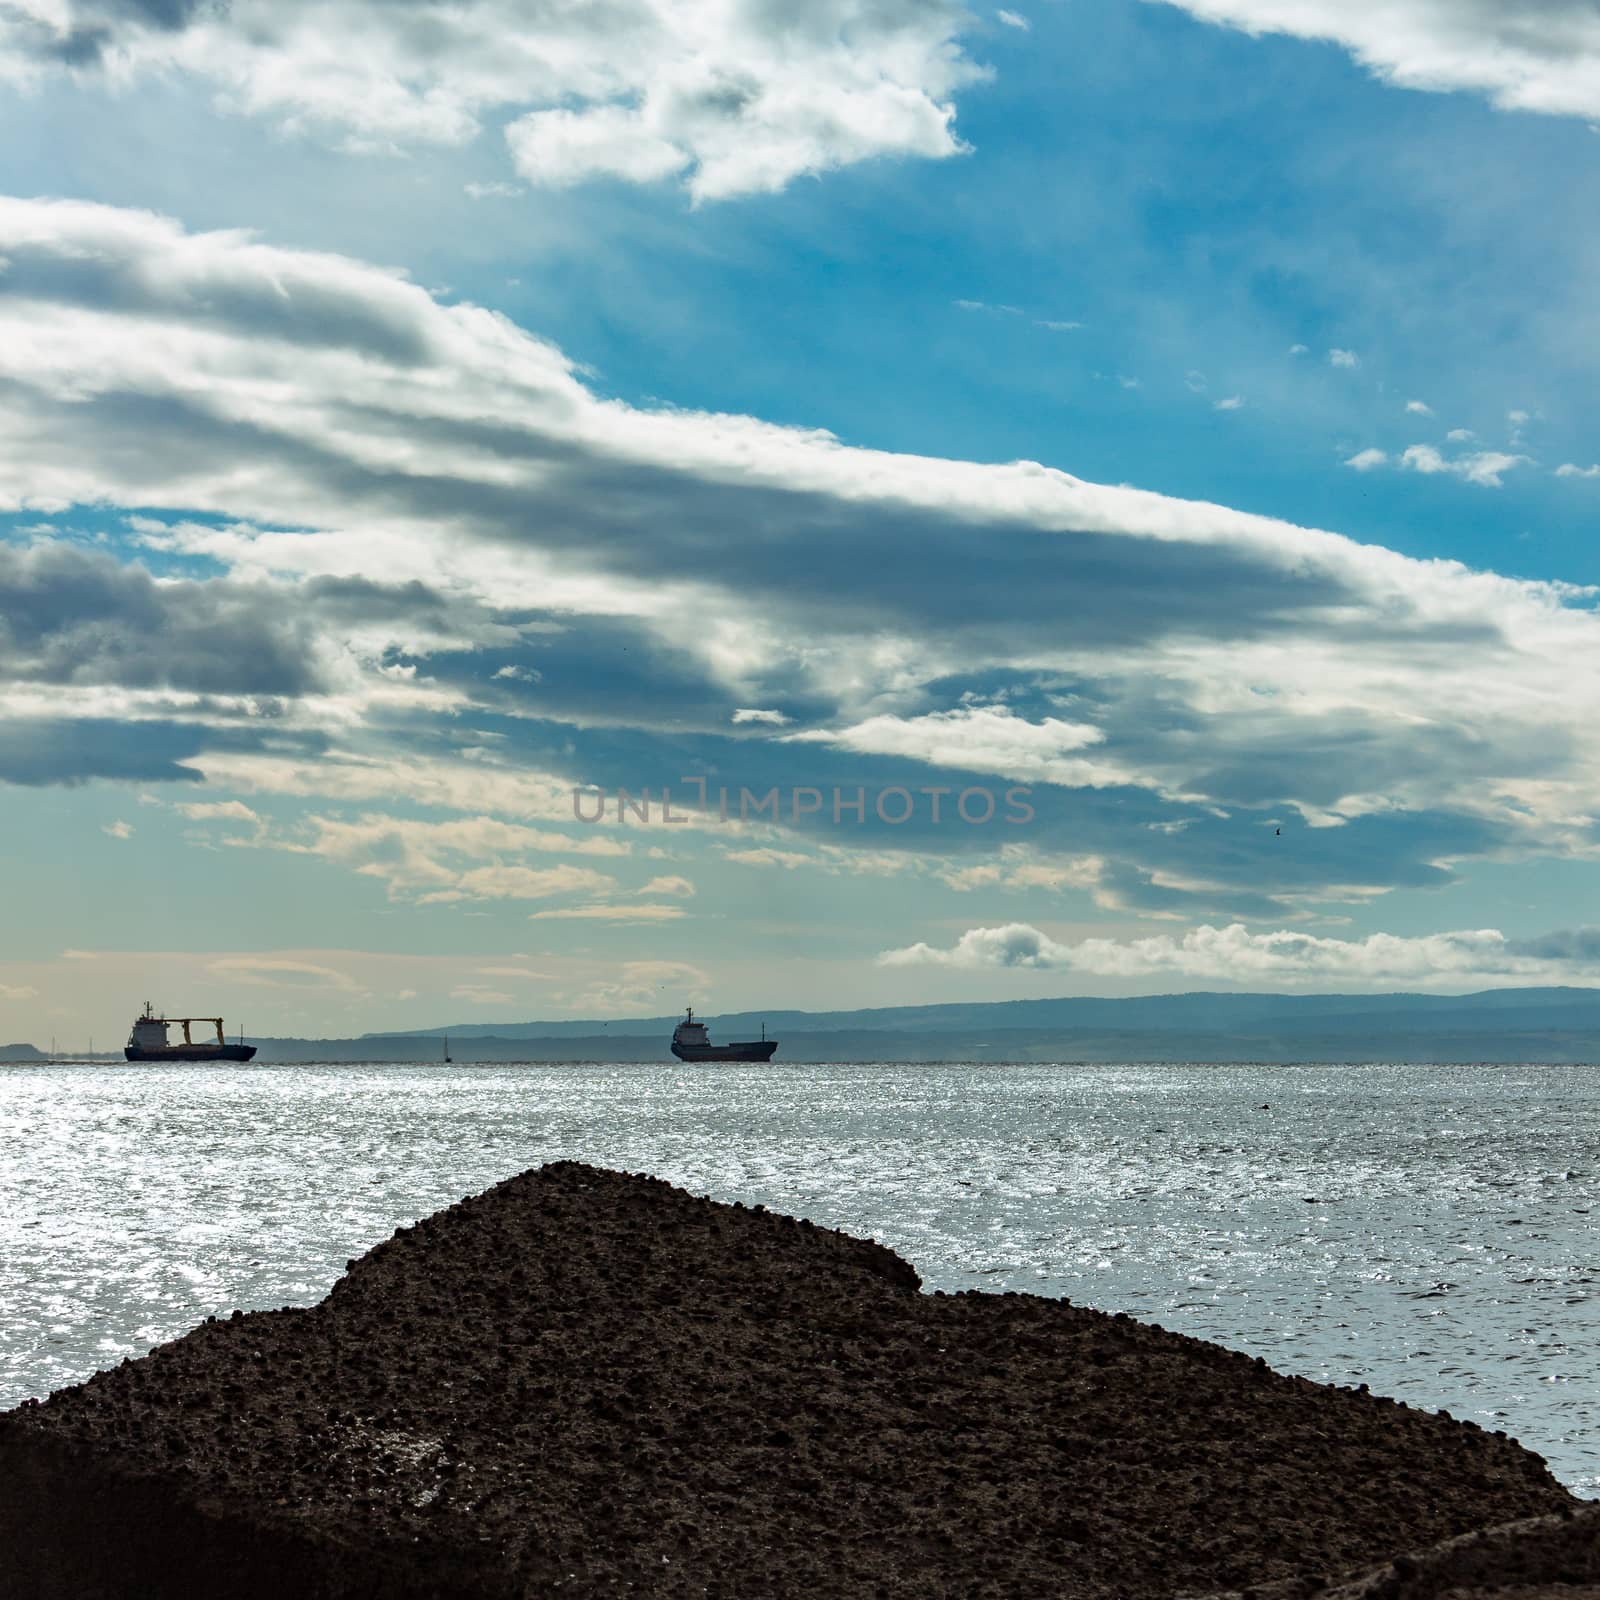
x=1427 y=1230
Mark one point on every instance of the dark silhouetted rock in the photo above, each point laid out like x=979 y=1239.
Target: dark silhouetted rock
x=585 y=1383
x=1546 y=1558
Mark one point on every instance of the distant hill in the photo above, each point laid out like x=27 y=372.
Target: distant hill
x=1207 y=1011
x=20 y=1052
x=1501 y=1025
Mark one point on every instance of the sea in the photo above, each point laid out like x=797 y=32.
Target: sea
x=1426 y=1230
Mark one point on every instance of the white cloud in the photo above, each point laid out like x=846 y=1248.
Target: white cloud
x=17 y=991
x=1012 y=20
x=1014 y=945
x=1299 y=350
x=755 y=714
x=1234 y=955
x=1568 y=469
x=557 y=149
x=680 y=887
x=984 y=739
x=219 y=811
x=1460 y=435
x=1058 y=327
x=762 y=856
x=737 y=99
x=1343 y=358
x=1366 y=460
x=1233 y=403
x=1540 y=56
x=118 y=829
x=1483 y=468
x=493 y=191
x=1419 y=408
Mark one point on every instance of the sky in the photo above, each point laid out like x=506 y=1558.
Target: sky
x=1094 y=498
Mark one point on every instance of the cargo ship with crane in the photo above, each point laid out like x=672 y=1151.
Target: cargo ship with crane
x=149 y=1041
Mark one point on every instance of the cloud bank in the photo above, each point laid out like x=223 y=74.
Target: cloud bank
x=1234 y=955
x=463 y=580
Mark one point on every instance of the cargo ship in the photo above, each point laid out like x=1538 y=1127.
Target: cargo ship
x=149 y=1042
x=691 y=1042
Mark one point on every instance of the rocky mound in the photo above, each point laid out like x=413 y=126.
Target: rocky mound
x=586 y=1383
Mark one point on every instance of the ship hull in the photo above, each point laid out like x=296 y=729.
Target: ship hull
x=196 y=1052
x=755 y=1050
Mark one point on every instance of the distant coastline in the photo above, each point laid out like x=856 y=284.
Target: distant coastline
x=1554 y=1025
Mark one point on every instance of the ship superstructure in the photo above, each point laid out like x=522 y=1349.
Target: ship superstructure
x=149 y=1041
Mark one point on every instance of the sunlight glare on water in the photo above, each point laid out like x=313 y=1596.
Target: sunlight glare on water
x=1425 y=1230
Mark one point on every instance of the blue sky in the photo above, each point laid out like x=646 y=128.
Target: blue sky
x=1141 y=404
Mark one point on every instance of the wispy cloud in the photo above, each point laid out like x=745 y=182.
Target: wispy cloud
x=280 y=972
x=647 y=913
x=763 y=856
x=1484 y=467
